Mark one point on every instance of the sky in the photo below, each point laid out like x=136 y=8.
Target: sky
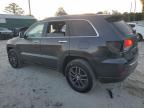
x=47 y=8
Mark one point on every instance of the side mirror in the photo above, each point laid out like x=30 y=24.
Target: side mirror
x=22 y=35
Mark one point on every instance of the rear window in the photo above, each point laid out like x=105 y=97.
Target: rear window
x=122 y=27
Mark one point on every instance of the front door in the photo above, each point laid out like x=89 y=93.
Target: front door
x=30 y=46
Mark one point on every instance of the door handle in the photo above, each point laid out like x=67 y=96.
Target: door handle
x=62 y=41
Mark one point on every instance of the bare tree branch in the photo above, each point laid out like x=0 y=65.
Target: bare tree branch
x=14 y=9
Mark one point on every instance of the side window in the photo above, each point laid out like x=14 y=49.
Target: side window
x=35 y=31
x=81 y=28
x=57 y=28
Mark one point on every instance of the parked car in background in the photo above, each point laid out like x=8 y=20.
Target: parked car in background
x=16 y=23
x=5 y=33
x=139 y=29
x=83 y=47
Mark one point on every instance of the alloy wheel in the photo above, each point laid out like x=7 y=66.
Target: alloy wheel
x=78 y=77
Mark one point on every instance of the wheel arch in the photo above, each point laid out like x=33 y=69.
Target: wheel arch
x=9 y=48
x=71 y=57
x=141 y=35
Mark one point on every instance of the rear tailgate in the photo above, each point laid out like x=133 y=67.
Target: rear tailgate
x=128 y=41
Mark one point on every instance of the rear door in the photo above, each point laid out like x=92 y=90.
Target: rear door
x=83 y=37
x=55 y=43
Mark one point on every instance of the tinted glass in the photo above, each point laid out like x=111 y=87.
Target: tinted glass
x=81 y=28
x=122 y=27
x=36 y=31
x=57 y=28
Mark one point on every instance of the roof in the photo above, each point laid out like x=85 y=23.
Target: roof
x=16 y=16
x=82 y=16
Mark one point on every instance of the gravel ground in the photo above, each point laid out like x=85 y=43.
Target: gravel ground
x=36 y=86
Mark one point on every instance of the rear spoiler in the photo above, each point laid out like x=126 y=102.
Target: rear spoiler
x=114 y=18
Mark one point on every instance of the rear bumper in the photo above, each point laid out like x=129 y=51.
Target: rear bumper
x=115 y=70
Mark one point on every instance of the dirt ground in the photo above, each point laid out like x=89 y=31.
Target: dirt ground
x=36 y=86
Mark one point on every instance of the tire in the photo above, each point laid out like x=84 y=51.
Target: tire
x=14 y=59
x=80 y=76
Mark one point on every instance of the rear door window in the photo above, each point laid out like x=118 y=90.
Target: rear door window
x=81 y=28
x=57 y=28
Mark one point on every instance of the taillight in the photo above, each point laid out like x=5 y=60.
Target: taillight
x=128 y=43
x=119 y=46
x=115 y=46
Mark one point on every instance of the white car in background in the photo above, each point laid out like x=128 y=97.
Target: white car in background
x=139 y=29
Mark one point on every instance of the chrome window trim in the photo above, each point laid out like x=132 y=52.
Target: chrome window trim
x=68 y=37
x=97 y=33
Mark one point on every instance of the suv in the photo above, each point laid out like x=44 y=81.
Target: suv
x=83 y=47
x=139 y=29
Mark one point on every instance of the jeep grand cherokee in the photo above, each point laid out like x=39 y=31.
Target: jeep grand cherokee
x=82 y=47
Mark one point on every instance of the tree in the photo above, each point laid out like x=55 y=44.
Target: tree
x=132 y=16
x=142 y=1
x=104 y=12
x=115 y=12
x=14 y=9
x=60 y=12
x=100 y=12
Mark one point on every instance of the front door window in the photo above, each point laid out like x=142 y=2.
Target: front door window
x=35 y=31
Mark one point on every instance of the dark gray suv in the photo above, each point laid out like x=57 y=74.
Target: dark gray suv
x=83 y=47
